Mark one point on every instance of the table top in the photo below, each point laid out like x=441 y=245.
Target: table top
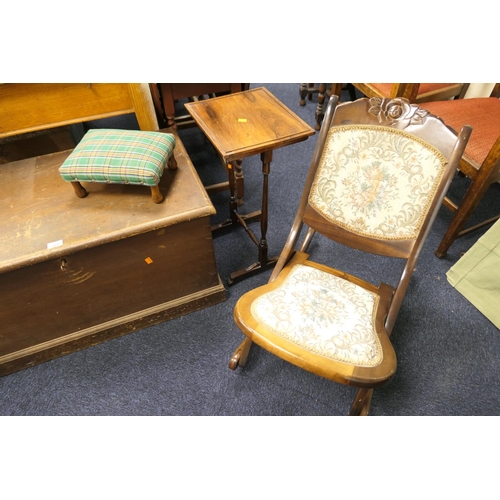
x=246 y=123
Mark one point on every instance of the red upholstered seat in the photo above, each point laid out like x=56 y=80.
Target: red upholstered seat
x=482 y=113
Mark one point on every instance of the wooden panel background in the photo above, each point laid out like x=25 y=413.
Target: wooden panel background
x=28 y=107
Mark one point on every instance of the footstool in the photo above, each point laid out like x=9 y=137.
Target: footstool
x=120 y=157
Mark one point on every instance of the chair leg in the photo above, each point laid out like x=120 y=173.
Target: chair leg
x=303 y=94
x=336 y=89
x=240 y=356
x=469 y=203
x=319 y=108
x=156 y=194
x=361 y=404
x=80 y=191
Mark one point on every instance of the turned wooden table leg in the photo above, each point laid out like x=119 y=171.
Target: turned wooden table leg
x=233 y=203
x=263 y=262
x=240 y=181
x=266 y=159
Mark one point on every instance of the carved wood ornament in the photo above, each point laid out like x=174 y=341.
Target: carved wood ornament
x=399 y=112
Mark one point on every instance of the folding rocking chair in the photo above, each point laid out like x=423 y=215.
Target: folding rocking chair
x=378 y=176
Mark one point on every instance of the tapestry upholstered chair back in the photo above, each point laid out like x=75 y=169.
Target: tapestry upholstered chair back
x=378 y=176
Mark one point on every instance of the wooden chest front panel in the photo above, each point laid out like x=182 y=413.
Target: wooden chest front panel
x=52 y=299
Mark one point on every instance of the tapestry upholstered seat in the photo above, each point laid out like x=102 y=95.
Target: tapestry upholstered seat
x=120 y=157
x=323 y=313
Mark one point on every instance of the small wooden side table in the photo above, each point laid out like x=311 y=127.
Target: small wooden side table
x=241 y=125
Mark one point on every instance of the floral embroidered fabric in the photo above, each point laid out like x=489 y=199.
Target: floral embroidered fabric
x=376 y=181
x=324 y=314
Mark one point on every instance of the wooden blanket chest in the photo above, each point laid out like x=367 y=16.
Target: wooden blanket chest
x=75 y=272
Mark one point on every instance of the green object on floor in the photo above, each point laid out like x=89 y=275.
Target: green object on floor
x=477 y=274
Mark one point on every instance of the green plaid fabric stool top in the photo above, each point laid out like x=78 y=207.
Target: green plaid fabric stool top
x=120 y=157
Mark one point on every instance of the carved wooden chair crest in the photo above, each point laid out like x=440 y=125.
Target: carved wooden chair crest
x=378 y=176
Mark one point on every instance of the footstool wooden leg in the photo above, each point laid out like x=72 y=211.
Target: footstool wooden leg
x=156 y=194
x=172 y=162
x=80 y=191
